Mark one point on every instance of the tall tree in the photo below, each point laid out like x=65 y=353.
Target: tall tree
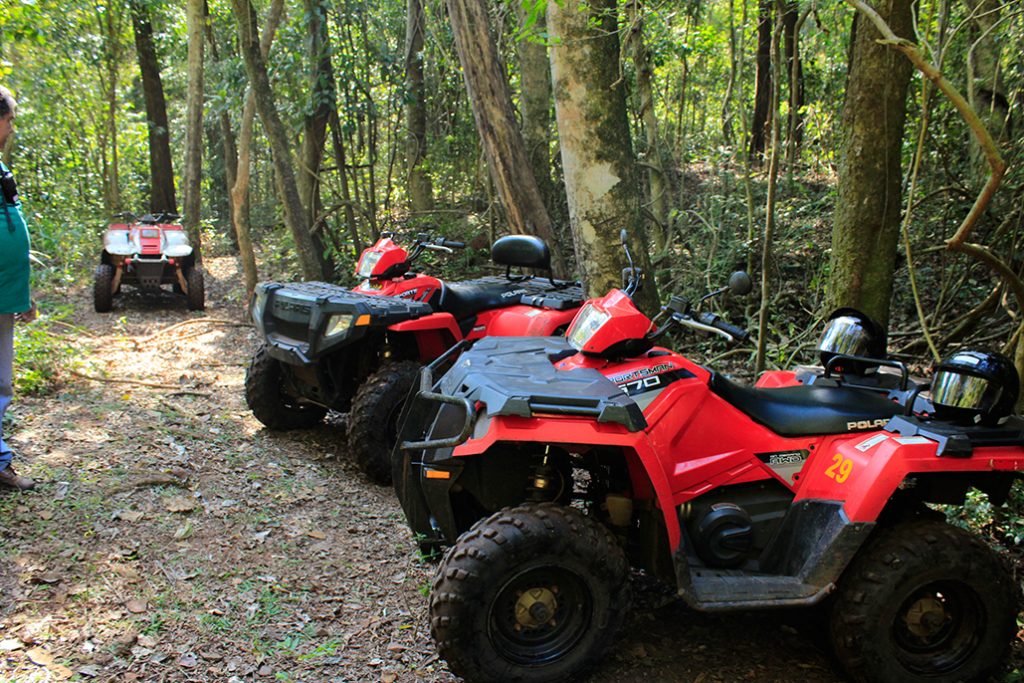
x=195 y=16
x=240 y=188
x=489 y=94
x=418 y=181
x=792 y=20
x=259 y=81
x=762 y=81
x=109 y=18
x=867 y=216
x=322 y=103
x=161 y=169
x=656 y=185
x=535 y=105
x=986 y=90
x=593 y=133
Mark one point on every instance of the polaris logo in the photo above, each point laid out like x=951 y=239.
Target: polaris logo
x=291 y=306
x=514 y=292
x=866 y=424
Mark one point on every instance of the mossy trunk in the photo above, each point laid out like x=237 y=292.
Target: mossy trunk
x=867 y=216
x=597 y=155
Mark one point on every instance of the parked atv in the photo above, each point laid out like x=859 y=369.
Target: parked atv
x=360 y=350
x=147 y=252
x=552 y=465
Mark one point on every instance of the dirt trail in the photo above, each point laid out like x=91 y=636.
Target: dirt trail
x=174 y=539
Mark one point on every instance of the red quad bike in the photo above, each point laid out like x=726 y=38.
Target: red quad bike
x=553 y=465
x=360 y=350
x=147 y=252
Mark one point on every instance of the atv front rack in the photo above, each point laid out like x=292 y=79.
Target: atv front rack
x=515 y=376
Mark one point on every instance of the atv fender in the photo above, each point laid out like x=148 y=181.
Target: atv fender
x=525 y=321
x=866 y=470
x=434 y=333
x=646 y=471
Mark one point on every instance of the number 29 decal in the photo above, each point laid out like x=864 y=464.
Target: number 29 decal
x=840 y=469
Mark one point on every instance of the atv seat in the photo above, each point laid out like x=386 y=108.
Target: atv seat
x=807 y=410
x=464 y=299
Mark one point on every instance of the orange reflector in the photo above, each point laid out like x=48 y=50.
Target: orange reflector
x=437 y=474
x=363 y=320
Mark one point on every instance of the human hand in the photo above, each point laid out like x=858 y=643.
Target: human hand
x=27 y=316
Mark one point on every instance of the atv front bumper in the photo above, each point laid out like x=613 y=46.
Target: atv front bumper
x=300 y=322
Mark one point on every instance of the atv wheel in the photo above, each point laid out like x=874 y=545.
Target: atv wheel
x=103 y=288
x=924 y=602
x=531 y=593
x=267 y=401
x=196 y=289
x=373 y=418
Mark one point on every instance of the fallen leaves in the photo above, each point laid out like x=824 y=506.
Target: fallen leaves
x=136 y=606
x=180 y=504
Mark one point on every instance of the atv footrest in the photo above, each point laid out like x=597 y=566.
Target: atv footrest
x=713 y=590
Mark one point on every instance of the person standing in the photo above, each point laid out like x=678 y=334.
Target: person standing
x=15 y=303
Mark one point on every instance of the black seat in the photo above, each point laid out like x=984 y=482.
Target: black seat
x=464 y=299
x=807 y=410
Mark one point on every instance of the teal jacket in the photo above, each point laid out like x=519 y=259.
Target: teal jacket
x=14 y=263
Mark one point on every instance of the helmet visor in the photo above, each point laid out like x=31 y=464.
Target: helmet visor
x=844 y=335
x=958 y=390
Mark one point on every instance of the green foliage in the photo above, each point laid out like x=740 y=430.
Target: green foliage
x=43 y=351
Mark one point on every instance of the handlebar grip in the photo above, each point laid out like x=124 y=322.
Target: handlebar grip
x=453 y=244
x=737 y=333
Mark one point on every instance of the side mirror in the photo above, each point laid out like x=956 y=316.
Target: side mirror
x=739 y=283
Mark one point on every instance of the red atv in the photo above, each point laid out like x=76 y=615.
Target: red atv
x=360 y=350
x=147 y=252
x=553 y=465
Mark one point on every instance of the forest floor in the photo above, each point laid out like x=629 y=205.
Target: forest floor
x=172 y=538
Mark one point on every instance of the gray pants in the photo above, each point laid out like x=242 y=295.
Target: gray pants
x=6 y=379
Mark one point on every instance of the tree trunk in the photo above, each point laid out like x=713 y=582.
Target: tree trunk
x=321 y=81
x=763 y=81
x=986 y=90
x=795 y=73
x=418 y=182
x=338 y=141
x=867 y=216
x=294 y=212
x=597 y=156
x=194 y=18
x=489 y=95
x=535 y=110
x=109 y=20
x=656 y=185
x=240 y=189
x=161 y=170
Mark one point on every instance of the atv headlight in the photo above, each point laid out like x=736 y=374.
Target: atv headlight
x=259 y=302
x=367 y=263
x=588 y=321
x=338 y=325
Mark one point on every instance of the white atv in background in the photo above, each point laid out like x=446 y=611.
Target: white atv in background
x=147 y=252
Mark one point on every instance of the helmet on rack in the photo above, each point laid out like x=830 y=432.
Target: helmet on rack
x=975 y=387
x=850 y=332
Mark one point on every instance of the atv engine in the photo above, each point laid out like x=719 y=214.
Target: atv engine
x=727 y=527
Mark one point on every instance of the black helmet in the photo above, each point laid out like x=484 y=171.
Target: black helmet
x=975 y=387
x=852 y=333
